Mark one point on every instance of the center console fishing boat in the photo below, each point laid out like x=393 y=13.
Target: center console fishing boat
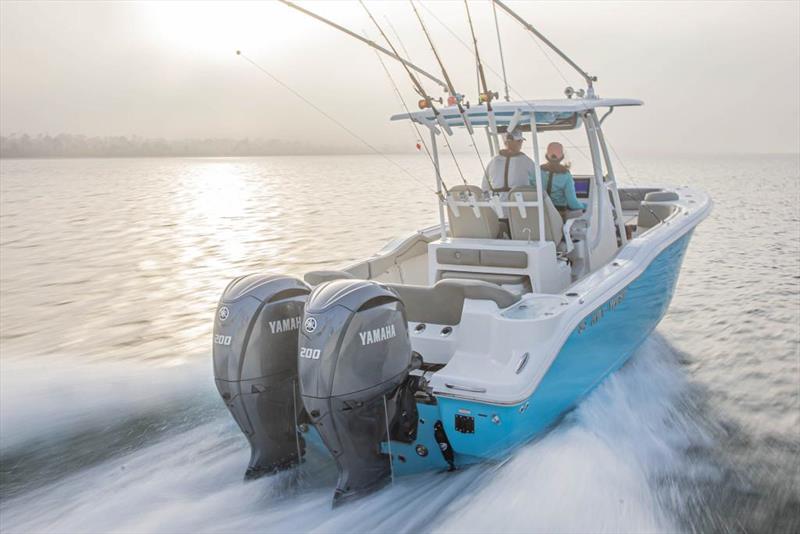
x=462 y=341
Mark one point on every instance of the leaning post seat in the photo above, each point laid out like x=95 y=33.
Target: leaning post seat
x=479 y=222
x=656 y=207
x=524 y=220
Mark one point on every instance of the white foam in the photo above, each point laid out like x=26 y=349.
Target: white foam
x=41 y=401
x=597 y=472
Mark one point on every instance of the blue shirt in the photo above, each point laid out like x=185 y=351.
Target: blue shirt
x=562 y=191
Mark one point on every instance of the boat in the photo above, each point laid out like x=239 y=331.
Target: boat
x=462 y=341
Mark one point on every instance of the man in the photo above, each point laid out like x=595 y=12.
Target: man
x=510 y=168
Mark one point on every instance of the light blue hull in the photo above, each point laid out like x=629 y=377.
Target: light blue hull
x=601 y=344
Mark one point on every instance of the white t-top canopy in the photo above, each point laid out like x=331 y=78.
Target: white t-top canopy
x=547 y=112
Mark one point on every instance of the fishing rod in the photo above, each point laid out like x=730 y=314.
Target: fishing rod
x=366 y=41
x=500 y=47
x=450 y=86
x=418 y=87
x=415 y=81
x=449 y=147
x=586 y=76
x=509 y=88
x=413 y=124
x=485 y=95
x=333 y=120
x=466 y=46
x=396 y=35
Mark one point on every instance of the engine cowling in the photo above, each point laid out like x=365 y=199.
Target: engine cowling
x=255 y=366
x=354 y=352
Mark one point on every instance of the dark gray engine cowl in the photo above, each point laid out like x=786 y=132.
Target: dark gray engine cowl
x=255 y=365
x=354 y=352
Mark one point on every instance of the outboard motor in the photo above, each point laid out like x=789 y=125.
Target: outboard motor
x=255 y=366
x=354 y=353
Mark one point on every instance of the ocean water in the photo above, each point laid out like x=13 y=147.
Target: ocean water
x=110 y=271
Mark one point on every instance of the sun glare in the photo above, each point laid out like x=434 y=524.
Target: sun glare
x=220 y=28
x=214 y=28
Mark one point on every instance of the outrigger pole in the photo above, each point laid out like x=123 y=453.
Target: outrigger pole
x=373 y=44
x=586 y=76
x=486 y=95
x=500 y=46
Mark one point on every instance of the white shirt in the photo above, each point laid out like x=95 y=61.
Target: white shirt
x=507 y=171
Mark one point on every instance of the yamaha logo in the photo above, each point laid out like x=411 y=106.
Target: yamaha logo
x=224 y=312
x=310 y=325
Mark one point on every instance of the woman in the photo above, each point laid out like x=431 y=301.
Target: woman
x=558 y=182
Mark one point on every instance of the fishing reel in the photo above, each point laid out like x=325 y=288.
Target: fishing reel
x=487 y=97
x=424 y=103
x=457 y=99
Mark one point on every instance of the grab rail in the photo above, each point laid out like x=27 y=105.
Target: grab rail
x=471 y=389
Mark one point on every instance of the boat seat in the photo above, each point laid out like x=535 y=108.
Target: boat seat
x=315 y=278
x=631 y=197
x=443 y=302
x=661 y=196
x=527 y=228
x=656 y=208
x=485 y=225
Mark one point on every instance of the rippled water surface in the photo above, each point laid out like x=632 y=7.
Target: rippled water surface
x=109 y=421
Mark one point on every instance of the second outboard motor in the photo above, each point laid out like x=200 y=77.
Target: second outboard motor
x=255 y=366
x=354 y=353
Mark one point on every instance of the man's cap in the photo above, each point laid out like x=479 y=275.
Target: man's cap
x=515 y=134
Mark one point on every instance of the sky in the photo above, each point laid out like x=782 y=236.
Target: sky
x=716 y=77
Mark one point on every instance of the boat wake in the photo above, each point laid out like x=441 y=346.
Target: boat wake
x=607 y=467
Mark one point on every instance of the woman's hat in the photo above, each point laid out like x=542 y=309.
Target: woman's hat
x=555 y=152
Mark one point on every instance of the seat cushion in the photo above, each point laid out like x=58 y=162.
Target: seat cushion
x=443 y=302
x=491 y=278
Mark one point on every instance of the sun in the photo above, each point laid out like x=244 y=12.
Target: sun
x=221 y=28
x=215 y=28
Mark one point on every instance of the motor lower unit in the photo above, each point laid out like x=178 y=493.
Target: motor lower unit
x=255 y=366
x=354 y=356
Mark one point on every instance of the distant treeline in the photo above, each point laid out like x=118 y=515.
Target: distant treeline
x=81 y=146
